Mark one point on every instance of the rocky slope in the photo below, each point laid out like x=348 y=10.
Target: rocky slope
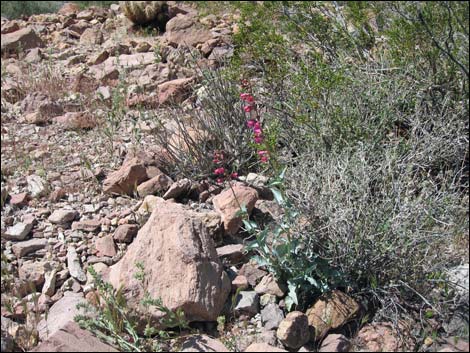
x=81 y=169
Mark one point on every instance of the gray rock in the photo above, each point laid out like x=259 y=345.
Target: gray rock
x=49 y=283
x=19 y=231
x=73 y=263
x=271 y=316
x=25 y=247
x=247 y=303
x=459 y=277
x=60 y=314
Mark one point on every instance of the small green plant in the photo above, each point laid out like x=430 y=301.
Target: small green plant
x=115 y=323
x=285 y=252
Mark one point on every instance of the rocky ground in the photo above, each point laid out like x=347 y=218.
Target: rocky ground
x=84 y=183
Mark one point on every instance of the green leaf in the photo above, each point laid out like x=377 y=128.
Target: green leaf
x=278 y=196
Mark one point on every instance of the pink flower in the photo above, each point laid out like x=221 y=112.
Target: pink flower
x=257 y=125
x=219 y=171
x=247 y=97
x=264 y=156
x=220 y=180
x=258 y=139
x=248 y=108
x=257 y=131
x=234 y=175
x=264 y=159
x=251 y=123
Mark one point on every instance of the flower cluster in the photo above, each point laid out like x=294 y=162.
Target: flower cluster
x=254 y=124
x=220 y=171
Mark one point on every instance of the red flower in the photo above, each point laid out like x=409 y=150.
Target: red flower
x=219 y=171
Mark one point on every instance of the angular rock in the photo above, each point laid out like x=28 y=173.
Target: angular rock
x=63 y=216
x=105 y=246
x=267 y=299
x=49 y=283
x=335 y=343
x=233 y=253
x=203 y=343
x=263 y=347
x=24 y=38
x=330 y=312
x=378 y=337
x=175 y=91
x=23 y=248
x=293 y=331
x=73 y=263
x=19 y=231
x=60 y=314
x=183 y=30
x=271 y=316
x=126 y=179
x=33 y=273
x=71 y=338
x=89 y=225
x=178 y=189
x=76 y=121
x=37 y=187
x=158 y=184
x=239 y=282
x=125 y=233
x=247 y=303
x=91 y=36
x=228 y=203
x=69 y=9
x=19 y=200
x=252 y=272
x=181 y=264
x=268 y=285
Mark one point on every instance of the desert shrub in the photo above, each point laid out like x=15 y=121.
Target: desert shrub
x=374 y=135
x=16 y=9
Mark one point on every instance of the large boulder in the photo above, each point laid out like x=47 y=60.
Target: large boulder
x=22 y=39
x=180 y=261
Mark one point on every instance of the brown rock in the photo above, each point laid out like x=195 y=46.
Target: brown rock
x=24 y=38
x=228 y=204
x=252 y=272
x=239 y=283
x=175 y=91
x=180 y=262
x=335 y=343
x=105 y=246
x=156 y=185
x=178 y=189
x=263 y=347
x=268 y=285
x=125 y=233
x=91 y=36
x=233 y=253
x=33 y=272
x=378 y=337
x=19 y=200
x=293 y=331
x=69 y=9
x=23 y=248
x=203 y=343
x=98 y=58
x=126 y=179
x=76 y=120
x=183 y=30
x=89 y=225
x=330 y=312
x=10 y=26
x=63 y=216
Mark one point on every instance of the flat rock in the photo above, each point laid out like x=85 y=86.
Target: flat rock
x=263 y=347
x=19 y=231
x=335 y=343
x=183 y=30
x=89 y=225
x=76 y=121
x=269 y=285
x=233 y=252
x=178 y=189
x=60 y=314
x=63 y=216
x=180 y=262
x=203 y=343
x=23 y=248
x=157 y=185
x=105 y=246
x=174 y=91
x=33 y=273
